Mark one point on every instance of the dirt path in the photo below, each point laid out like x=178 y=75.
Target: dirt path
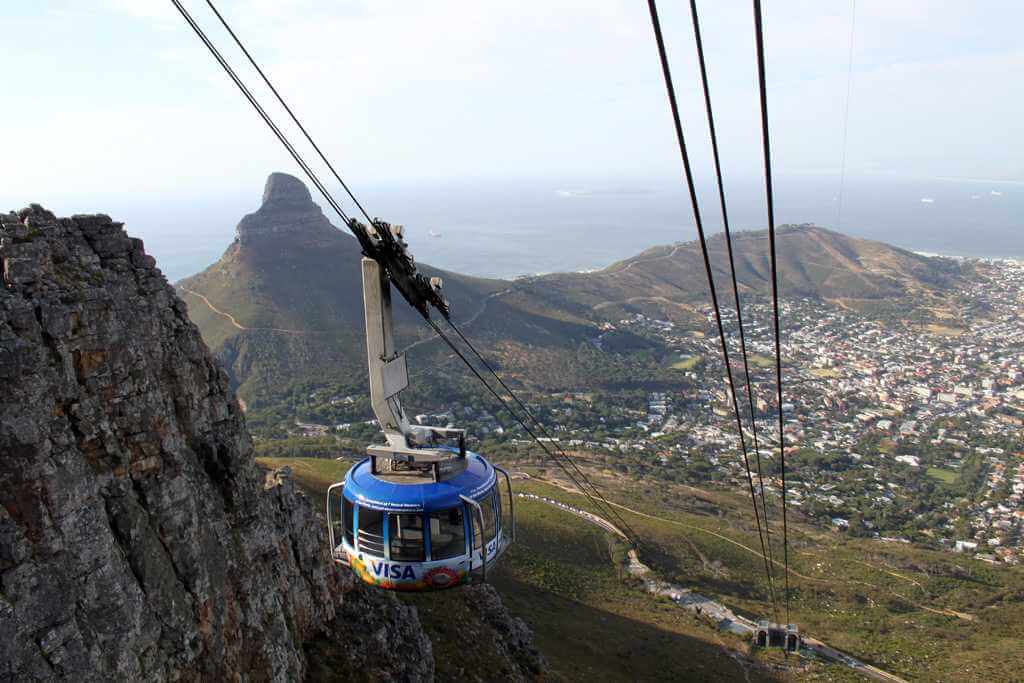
x=483 y=306
x=672 y=253
x=635 y=299
x=945 y=611
x=239 y=325
x=709 y=607
x=884 y=570
x=466 y=323
x=684 y=525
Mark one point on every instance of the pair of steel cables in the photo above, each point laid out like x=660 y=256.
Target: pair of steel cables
x=763 y=531
x=563 y=460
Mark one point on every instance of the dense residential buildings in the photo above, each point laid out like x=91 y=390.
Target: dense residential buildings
x=903 y=424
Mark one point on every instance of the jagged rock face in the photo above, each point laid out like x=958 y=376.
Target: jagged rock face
x=287 y=213
x=509 y=636
x=138 y=540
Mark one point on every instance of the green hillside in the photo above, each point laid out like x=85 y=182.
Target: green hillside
x=813 y=262
x=282 y=308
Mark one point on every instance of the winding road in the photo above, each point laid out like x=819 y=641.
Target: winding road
x=465 y=323
x=239 y=325
x=702 y=605
x=629 y=265
x=945 y=611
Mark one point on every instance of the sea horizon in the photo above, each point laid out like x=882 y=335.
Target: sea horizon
x=509 y=229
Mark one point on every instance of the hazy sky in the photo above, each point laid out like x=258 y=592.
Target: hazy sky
x=117 y=97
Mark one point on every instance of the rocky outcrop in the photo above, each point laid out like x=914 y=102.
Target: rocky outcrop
x=287 y=213
x=138 y=539
x=292 y=284
x=508 y=636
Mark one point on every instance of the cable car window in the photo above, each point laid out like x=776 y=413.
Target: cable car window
x=498 y=505
x=405 y=533
x=371 y=531
x=447 y=534
x=489 y=518
x=347 y=520
x=477 y=535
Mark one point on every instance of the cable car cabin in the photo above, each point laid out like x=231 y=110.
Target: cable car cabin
x=405 y=530
x=418 y=513
x=770 y=634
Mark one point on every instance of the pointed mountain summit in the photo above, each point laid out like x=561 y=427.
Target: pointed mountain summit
x=285 y=300
x=287 y=213
x=283 y=189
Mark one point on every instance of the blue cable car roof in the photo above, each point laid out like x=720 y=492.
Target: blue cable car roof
x=370 y=491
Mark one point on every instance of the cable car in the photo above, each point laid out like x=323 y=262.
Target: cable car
x=406 y=530
x=772 y=635
x=420 y=512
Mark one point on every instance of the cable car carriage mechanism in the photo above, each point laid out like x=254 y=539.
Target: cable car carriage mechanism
x=420 y=512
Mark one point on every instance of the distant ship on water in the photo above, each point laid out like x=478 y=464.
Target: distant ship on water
x=433 y=233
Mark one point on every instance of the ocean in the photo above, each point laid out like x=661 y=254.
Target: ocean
x=507 y=229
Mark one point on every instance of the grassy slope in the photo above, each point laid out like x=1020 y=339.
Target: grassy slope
x=892 y=605
x=590 y=623
x=535 y=330
x=812 y=262
x=882 y=602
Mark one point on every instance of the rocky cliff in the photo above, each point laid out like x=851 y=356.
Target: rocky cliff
x=138 y=539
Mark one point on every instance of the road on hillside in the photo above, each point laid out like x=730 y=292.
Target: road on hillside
x=239 y=325
x=703 y=606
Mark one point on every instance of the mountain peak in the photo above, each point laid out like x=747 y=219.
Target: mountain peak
x=289 y=213
x=284 y=189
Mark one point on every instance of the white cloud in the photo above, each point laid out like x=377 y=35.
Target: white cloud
x=398 y=89
x=158 y=14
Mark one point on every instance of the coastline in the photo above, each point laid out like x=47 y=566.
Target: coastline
x=962 y=257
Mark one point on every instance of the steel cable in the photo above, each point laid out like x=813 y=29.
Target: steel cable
x=732 y=272
x=676 y=119
x=846 y=117
x=288 y=109
x=544 y=430
x=508 y=408
x=762 y=83
x=334 y=204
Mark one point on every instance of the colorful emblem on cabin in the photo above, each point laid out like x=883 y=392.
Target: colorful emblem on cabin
x=442 y=577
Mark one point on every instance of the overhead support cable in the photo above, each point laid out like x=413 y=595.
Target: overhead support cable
x=732 y=272
x=846 y=117
x=762 y=83
x=611 y=509
x=676 y=119
x=288 y=109
x=522 y=423
x=261 y=111
x=369 y=249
